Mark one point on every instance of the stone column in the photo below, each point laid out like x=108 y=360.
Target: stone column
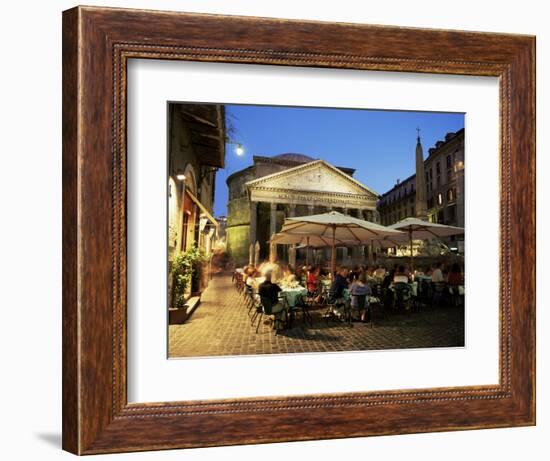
x=369 y=254
x=253 y=229
x=292 y=255
x=345 y=251
x=357 y=251
x=291 y=210
x=272 y=230
x=292 y=249
x=327 y=251
x=310 y=211
x=273 y=219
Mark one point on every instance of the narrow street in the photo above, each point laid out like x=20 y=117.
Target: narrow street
x=221 y=326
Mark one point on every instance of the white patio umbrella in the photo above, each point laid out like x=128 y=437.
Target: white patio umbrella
x=417 y=229
x=303 y=241
x=337 y=229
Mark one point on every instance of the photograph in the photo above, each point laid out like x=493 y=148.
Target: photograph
x=258 y=237
x=296 y=230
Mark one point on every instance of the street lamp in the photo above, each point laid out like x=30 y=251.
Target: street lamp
x=180 y=176
x=239 y=150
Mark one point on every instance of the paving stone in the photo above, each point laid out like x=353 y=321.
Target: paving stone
x=221 y=326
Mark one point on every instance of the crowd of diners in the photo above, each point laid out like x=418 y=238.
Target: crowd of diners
x=357 y=282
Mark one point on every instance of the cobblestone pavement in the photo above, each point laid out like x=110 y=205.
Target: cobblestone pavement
x=221 y=326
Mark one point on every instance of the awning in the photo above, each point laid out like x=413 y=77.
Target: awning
x=202 y=208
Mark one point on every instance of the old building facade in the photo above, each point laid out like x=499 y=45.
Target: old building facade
x=442 y=192
x=196 y=149
x=273 y=188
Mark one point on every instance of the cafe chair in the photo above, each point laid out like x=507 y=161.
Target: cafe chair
x=266 y=308
x=456 y=294
x=337 y=310
x=362 y=304
x=403 y=296
x=424 y=294
x=251 y=300
x=377 y=301
x=439 y=293
x=303 y=307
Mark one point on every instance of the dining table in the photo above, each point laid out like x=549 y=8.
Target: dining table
x=412 y=285
x=292 y=294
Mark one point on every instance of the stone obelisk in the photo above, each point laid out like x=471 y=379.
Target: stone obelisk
x=421 y=205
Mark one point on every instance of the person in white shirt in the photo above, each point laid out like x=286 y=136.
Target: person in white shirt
x=379 y=272
x=401 y=276
x=437 y=274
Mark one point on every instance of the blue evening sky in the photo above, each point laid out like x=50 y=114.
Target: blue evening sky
x=379 y=144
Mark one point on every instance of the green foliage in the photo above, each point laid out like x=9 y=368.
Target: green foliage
x=186 y=269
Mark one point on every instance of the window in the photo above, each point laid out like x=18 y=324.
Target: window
x=437 y=168
x=450 y=195
x=449 y=162
x=439 y=199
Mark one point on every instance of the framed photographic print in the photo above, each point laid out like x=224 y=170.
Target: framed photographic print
x=285 y=230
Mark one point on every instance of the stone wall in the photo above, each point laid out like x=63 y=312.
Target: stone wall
x=238 y=230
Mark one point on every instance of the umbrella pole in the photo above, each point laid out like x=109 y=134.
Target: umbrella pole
x=411 y=242
x=307 y=251
x=333 y=262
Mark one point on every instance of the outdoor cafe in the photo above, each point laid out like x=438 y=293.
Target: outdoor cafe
x=287 y=292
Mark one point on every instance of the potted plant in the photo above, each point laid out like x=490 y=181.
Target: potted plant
x=187 y=269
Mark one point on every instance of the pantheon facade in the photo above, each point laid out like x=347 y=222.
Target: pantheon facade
x=287 y=185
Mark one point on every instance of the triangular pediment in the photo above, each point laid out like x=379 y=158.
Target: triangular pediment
x=317 y=176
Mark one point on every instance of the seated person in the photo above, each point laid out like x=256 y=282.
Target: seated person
x=379 y=272
x=270 y=291
x=250 y=276
x=299 y=273
x=339 y=284
x=360 y=292
x=313 y=280
x=437 y=274
x=388 y=279
x=401 y=275
x=274 y=268
x=354 y=274
x=455 y=277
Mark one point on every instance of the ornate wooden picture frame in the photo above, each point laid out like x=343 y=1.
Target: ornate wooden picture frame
x=97 y=44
